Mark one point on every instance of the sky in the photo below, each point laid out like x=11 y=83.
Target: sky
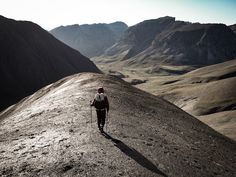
x=53 y=13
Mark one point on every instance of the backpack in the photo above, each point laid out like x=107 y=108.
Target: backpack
x=100 y=101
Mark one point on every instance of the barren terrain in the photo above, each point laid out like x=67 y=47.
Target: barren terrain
x=205 y=92
x=50 y=134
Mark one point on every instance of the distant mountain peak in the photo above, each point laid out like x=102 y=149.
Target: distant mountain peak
x=174 y=42
x=90 y=39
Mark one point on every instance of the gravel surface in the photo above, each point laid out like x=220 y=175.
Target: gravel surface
x=50 y=134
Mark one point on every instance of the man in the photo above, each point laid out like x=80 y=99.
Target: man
x=101 y=104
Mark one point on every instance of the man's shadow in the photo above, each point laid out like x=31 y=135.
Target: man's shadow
x=134 y=154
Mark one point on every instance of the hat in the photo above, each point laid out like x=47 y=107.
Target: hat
x=100 y=90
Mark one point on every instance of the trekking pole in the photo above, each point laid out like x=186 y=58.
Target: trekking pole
x=91 y=116
x=91 y=113
x=107 y=123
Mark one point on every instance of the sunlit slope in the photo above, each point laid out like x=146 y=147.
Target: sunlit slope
x=50 y=134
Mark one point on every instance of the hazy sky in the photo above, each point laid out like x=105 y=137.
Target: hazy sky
x=52 y=13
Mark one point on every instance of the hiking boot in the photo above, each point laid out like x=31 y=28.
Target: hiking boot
x=101 y=130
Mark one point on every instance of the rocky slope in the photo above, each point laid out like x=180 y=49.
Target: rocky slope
x=90 y=40
x=32 y=58
x=50 y=134
x=165 y=40
x=208 y=93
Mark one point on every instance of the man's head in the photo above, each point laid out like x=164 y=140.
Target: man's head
x=100 y=90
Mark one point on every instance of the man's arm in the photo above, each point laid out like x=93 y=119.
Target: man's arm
x=92 y=103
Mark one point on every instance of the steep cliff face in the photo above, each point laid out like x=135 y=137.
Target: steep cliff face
x=50 y=134
x=165 y=40
x=32 y=58
x=90 y=40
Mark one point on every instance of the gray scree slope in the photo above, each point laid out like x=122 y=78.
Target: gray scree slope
x=49 y=134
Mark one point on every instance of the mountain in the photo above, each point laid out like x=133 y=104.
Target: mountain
x=50 y=134
x=157 y=56
x=118 y=28
x=90 y=40
x=207 y=93
x=32 y=58
x=233 y=27
x=167 y=41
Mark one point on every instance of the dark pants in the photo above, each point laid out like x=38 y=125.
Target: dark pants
x=101 y=115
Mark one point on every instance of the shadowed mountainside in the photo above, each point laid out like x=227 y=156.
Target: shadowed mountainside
x=166 y=41
x=90 y=40
x=50 y=134
x=32 y=58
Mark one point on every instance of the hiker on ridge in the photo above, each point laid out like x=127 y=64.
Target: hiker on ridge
x=101 y=104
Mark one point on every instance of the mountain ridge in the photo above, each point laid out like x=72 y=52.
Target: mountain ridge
x=172 y=42
x=90 y=39
x=147 y=136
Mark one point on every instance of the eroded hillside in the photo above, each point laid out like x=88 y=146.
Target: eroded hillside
x=207 y=93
